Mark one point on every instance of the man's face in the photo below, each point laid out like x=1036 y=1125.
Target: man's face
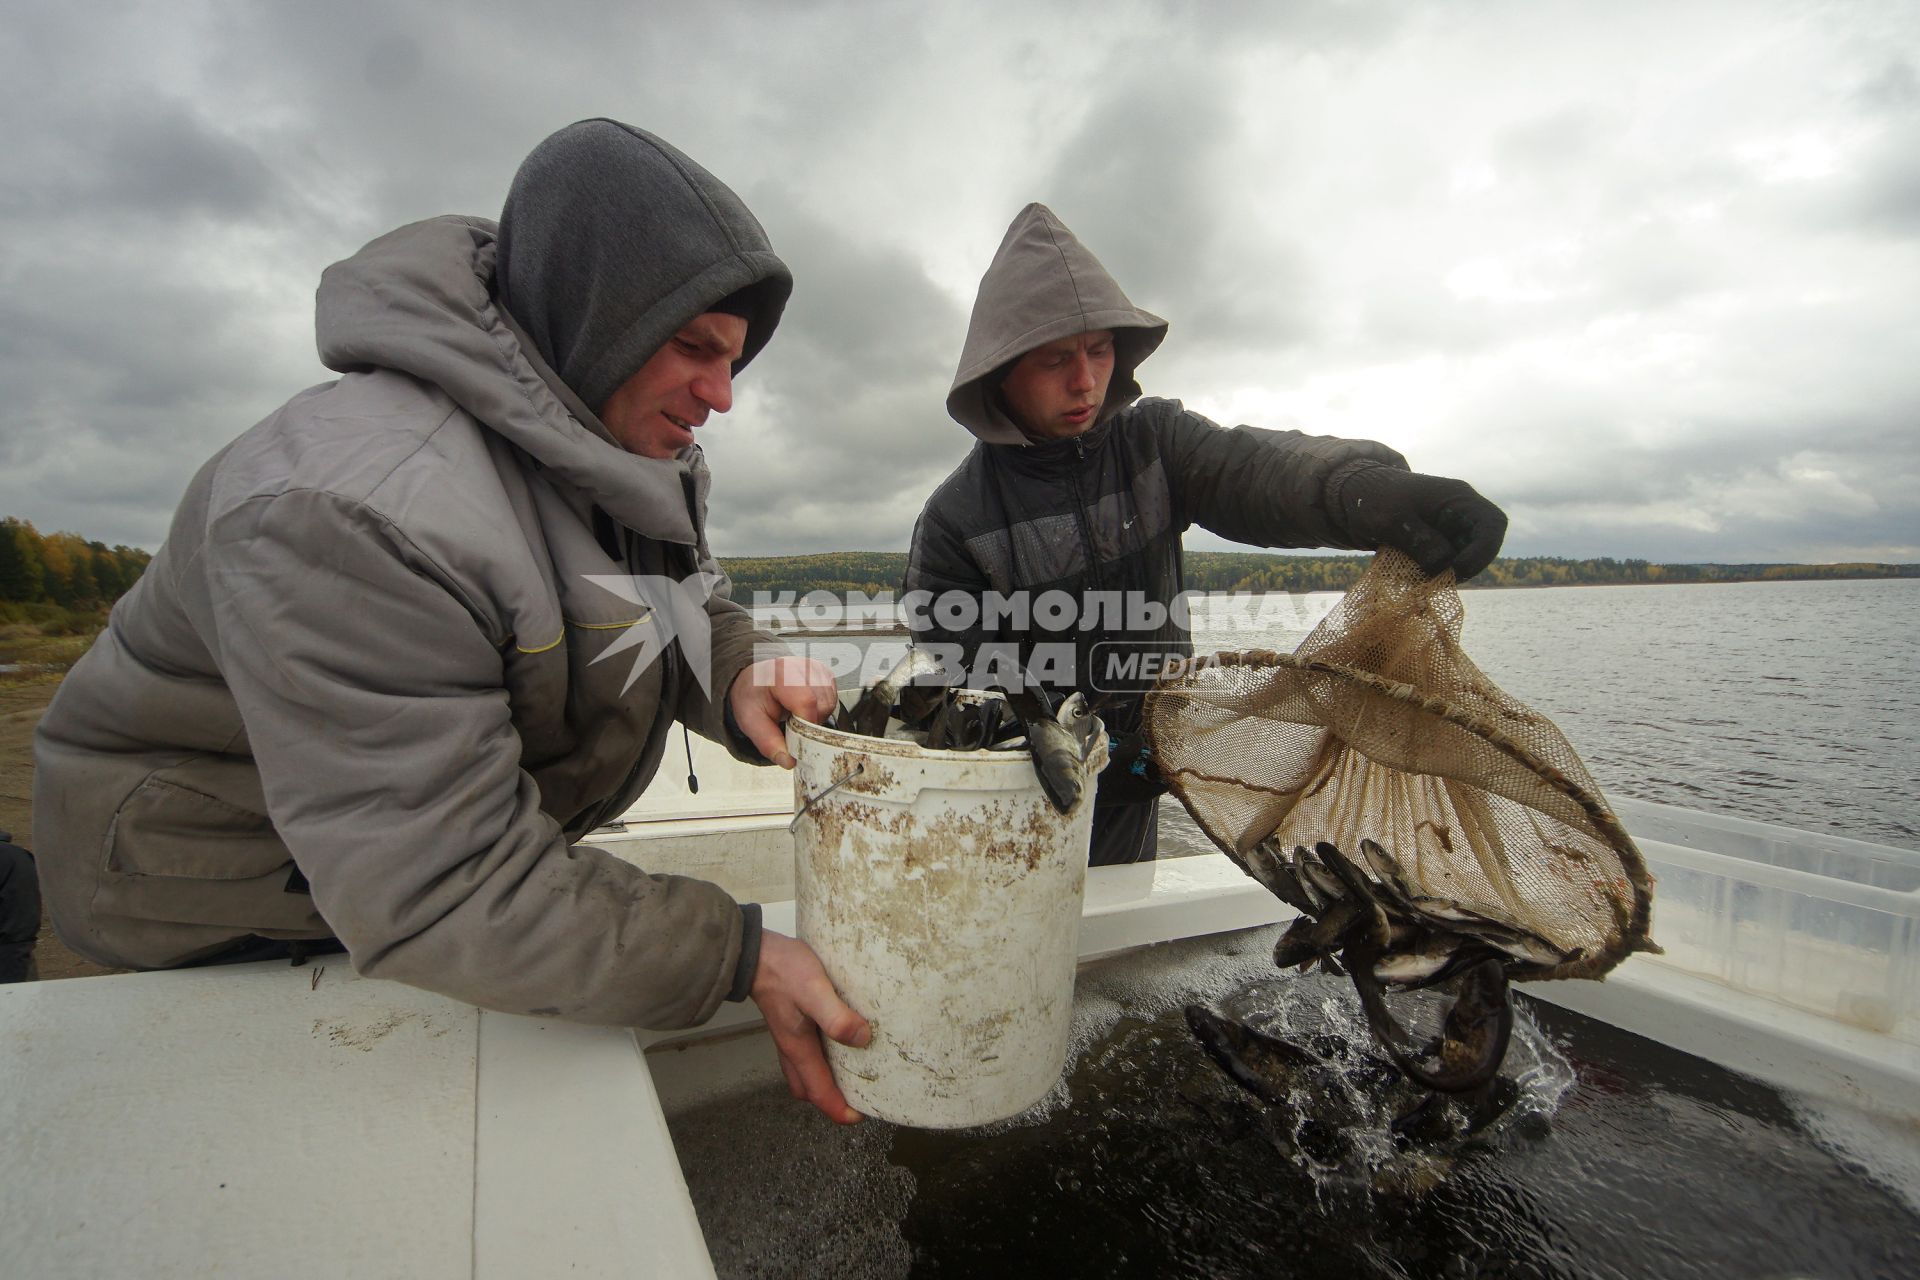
x=654 y=412
x=1056 y=391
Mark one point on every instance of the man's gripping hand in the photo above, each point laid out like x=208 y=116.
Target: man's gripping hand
x=766 y=693
x=1441 y=523
x=800 y=1005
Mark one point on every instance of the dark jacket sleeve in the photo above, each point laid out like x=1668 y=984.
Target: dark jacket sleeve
x=1265 y=488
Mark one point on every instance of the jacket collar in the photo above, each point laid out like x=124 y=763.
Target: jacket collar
x=1055 y=457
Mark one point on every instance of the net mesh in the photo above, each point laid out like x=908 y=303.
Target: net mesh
x=1380 y=727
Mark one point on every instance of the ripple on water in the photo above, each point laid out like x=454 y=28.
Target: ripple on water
x=1826 y=675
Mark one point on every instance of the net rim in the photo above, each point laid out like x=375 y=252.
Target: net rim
x=1634 y=929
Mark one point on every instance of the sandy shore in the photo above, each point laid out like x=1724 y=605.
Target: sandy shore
x=20 y=708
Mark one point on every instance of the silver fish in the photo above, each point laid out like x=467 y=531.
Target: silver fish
x=870 y=712
x=1056 y=752
x=1418 y=963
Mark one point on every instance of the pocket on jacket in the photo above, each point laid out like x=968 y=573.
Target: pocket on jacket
x=164 y=829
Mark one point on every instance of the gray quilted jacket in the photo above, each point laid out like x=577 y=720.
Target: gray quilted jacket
x=356 y=692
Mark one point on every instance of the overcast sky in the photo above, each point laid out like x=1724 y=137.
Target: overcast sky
x=1647 y=274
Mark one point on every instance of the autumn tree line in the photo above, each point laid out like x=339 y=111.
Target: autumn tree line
x=62 y=571
x=872 y=572
x=67 y=571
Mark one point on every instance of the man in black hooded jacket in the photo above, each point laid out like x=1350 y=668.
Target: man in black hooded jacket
x=1056 y=544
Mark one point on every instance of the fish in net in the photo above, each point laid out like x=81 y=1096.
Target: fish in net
x=1429 y=828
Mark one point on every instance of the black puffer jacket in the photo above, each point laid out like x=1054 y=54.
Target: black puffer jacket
x=1097 y=518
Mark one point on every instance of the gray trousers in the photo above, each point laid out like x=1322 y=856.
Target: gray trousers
x=1125 y=833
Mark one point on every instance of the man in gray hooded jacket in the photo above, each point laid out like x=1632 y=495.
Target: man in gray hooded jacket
x=1056 y=544
x=356 y=694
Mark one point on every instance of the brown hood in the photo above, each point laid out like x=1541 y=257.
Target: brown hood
x=1043 y=285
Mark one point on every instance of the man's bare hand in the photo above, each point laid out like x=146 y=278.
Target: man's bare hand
x=799 y=1003
x=766 y=693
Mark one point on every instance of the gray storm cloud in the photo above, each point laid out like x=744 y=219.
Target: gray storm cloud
x=1642 y=272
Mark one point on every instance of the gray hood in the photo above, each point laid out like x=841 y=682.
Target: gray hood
x=611 y=240
x=1044 y=285
x=419 y=300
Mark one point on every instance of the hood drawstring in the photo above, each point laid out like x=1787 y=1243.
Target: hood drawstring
x=686 y=739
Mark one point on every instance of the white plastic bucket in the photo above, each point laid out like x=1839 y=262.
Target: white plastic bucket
x=942 y=893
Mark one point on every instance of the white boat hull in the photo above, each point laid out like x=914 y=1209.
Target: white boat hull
x=259 y=1120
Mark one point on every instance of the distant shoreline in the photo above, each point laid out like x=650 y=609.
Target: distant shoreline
x=839 y=573
x=901 y=631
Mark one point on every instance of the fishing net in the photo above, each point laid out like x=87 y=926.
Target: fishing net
x=1378 y=727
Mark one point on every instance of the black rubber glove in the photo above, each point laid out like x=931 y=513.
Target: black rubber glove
x=1131 y=775
x=1443 y=524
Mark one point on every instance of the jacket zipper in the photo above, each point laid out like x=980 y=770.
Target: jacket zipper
x=1085 y=527
x=669 y=682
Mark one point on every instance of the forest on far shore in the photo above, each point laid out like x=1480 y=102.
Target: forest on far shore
x=46 y=576
x=55 y=590
x=62 y=578
x=872 y=572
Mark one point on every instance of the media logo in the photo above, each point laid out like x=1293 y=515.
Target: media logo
x=675 y=609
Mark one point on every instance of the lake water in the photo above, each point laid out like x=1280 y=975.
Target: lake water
x=1788 y=702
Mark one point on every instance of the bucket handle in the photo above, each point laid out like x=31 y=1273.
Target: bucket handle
x=824 y=792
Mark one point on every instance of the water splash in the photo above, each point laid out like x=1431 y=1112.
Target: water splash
x=1152 y=1163
x=1133 y=1065
x=1346 y=1122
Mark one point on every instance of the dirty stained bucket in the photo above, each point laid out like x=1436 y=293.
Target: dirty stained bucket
x=942 y=893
